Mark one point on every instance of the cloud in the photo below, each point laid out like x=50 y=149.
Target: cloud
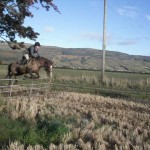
x=128 y=42
x=95 y=36
x=113 y=40
x=127 y=11
x=147 y=17
x=90 y=35
x=49 y=29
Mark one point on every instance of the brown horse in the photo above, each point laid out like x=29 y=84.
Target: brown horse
x=33 y=66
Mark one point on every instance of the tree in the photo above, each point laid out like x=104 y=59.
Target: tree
x=12 y=16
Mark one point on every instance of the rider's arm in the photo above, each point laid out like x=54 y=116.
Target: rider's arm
x=38 y=56
x=33 y=53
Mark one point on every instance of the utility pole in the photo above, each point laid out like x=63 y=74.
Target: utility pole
x=104 y=43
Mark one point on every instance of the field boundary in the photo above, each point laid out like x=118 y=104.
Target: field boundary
x=101 y=89
x=29 y=88
x=33 y=88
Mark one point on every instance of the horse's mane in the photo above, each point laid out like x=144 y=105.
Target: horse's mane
x=47 y=60
x=44 y=58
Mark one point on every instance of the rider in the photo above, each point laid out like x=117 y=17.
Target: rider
x=32 y=51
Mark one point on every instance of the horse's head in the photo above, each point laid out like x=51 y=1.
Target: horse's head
x=48 y=65
x=49 y=68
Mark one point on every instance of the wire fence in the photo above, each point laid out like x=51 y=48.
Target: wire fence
x=42 y=87
x=8 y=87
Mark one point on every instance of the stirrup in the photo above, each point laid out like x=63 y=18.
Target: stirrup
x=19 y=61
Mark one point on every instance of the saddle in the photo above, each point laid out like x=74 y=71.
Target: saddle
x=22 y=61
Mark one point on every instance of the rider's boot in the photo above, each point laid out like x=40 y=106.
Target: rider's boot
x=23 y=62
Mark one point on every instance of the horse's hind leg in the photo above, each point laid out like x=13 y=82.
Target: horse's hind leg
x=8 y=76
x=9 y=71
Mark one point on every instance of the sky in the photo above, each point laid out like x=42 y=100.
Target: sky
x=80 y=25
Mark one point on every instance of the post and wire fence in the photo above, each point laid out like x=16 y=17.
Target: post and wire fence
x=11 y=87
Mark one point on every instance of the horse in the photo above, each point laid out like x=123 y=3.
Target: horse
x=33 y=66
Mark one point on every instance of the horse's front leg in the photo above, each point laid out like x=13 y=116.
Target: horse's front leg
x=10 y=82
x=38 y=76
x=9 y=77
x=16 y=81
x=30 y=73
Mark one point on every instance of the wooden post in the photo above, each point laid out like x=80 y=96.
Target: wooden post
x=31 y=88
x=11 y=88
x=48 y=86
x=104 y=43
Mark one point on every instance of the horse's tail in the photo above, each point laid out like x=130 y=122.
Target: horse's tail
x=9 y=70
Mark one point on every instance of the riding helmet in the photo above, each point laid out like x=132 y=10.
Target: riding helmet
x=37 y=44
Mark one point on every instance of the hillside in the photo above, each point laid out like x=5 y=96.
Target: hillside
x=83 y=58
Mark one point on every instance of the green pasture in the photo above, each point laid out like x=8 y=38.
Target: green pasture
x=135 y=86
x=115 y=80
x=81 y=73
x=118 y=84
x=72 y=73
x=91 y=78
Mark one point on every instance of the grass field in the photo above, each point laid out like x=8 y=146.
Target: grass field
x=95 y=76
x=80 y=73
x=75 y=73
x=79 y=114
x=117 y=84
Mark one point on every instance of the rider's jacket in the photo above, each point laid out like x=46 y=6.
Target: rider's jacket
x=32 y=52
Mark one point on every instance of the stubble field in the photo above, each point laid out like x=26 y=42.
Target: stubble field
x=93 y=122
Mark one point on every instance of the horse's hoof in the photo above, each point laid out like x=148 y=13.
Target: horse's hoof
x=26 y=76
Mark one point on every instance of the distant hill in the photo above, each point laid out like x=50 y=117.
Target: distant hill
x=83 y=58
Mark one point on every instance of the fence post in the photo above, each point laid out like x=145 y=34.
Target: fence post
x=0 y=92
x=48 y=86
x=11 y=87
x=31 y=88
